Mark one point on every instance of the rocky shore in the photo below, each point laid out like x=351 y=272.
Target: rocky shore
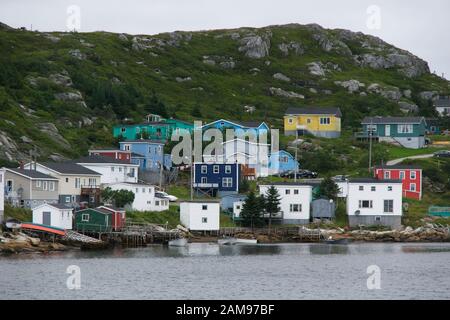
x=12 y=243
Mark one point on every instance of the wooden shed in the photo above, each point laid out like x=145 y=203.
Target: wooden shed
x=93 y=220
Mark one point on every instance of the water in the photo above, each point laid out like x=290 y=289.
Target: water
x=209 y=271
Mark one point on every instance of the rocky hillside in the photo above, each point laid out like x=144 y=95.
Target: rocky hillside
x=60 y=93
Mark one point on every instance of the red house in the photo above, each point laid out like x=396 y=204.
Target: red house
x=411 y=176
x=113 y=153
x=118 y=217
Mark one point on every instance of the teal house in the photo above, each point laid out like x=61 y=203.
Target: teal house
x=93 y=220
x=408 y=132
x=160 y=130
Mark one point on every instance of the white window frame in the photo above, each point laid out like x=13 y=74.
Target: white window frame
x=402 y=175
x=227 y=182
x=411 y=188
x=216 y=169
x=389 y=207
x=83 y=217
x=325 y=121
x=413 y=175
x=204 y=207
x=228 y=169
x=361 y=203
x=204 y=180
x=405 y=128
x=204 y=169
x=38 y=183
x=387 y=175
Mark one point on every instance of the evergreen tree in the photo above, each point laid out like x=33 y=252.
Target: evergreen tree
x=156 y=106
x=196 y=113
x=329 y=189
x=251 y=211
x=272 y=203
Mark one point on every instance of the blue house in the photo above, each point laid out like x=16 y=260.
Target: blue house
x=216 y=179
x=408 y=132
x=240 y=127
x=282 y=161
x=148 y=154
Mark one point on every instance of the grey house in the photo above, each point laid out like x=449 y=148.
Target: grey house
x=442 y=106
x=29 y=188
x=323 y=209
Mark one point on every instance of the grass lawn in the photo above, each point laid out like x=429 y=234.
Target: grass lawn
x=419 y=209
x=399 y=152
x=24 y=215
x=181 y=192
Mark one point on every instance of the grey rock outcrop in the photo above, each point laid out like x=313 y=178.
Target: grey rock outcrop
x=316 y=69
x=180 y=79
x=61 y=79
x=123 y=37
x=69 y=96
x=255 y=46
x=391 y=93
x=294 y=47
x=351 y=85
x=408 y=107
x=50 y=129
x=428 y=95
x=77 y=54
x=407 y=64
x=287 y=94
x=281 y=77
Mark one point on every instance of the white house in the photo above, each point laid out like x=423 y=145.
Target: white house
x=144 y=196
x=111 y=170
x=55 y=215
x=295 y=201
x=374 y=202
x=200 y=215
x=2 y=194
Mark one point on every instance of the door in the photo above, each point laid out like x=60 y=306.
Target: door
x=388 y=130
x=46 y=218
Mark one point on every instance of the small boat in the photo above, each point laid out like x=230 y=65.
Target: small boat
x=246 y=241
x=181 y=242
x=337 y=241
x=13 y=224
x=227 y=241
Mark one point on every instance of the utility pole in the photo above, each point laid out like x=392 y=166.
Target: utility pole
x=296 y=154
x=370 y=144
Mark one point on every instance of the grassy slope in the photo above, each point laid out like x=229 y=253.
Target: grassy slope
x=31 y=54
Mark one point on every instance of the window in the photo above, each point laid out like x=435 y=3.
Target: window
x=308 y=121
x=85 y=217
x=45 y=185
x=288 y=191
x=371 y=128
x=405 y=128
x=387 y=175
x=204 y=180
x=38 y=183
x=67 y=199
x=120 y=169
x=52 y=186
x=365 y=204
x=296 y=207
x=413 y=187
x=112 y=169
x=67 y=179
x=127 y=147
x=284 y=159
x=373 y=188
x=378 y=219
x=137 y=190
x=149 y=202
x=361 y=188
x=77 y=182
x=290 y=120
x=204 y=169
x=402 y=175
x=389 y=188
x=325 y=121
x=123 y=130
x=412 y=175
x=227 y=182
x=143 y=190
x=204 y=220
x=238 y=207
x=204 y=207
x=92 y=182
x=296 y=191
x=227 y=169
x=157 y=203
x=216 y=169
x=388 y=206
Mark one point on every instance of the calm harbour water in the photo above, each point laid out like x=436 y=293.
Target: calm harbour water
x=209 y=271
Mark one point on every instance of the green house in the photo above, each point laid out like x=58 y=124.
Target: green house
x=93 y=220
x=408 y=132
x=161 y=130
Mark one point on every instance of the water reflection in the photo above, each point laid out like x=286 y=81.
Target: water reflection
x=325 y=249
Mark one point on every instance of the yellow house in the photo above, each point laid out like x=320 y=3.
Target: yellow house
x=318 y=121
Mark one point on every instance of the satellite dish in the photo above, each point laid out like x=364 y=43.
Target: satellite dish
x=357 y=212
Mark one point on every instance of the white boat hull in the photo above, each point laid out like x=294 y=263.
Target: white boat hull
x=182 y=242
x=246 y=241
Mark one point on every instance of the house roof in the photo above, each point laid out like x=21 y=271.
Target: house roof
x=399 y=166
x=200 y=201
x=112 y=208
x=373 y=181
x=69 y=168
x=442 y=102
x=108 y=150
x=143 y=141
x=100 y=210
x=291 y=184
x=178 y=120
x=152 y=123
x=31 y=174
x=392 y=120
x=315 y=110
x=101 y=159
x=55 y=205
x=245 y=124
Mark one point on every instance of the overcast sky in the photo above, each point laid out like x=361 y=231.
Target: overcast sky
x=419 y=26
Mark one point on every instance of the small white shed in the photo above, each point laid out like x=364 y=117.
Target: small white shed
x=55 y=215
x=200 y=215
